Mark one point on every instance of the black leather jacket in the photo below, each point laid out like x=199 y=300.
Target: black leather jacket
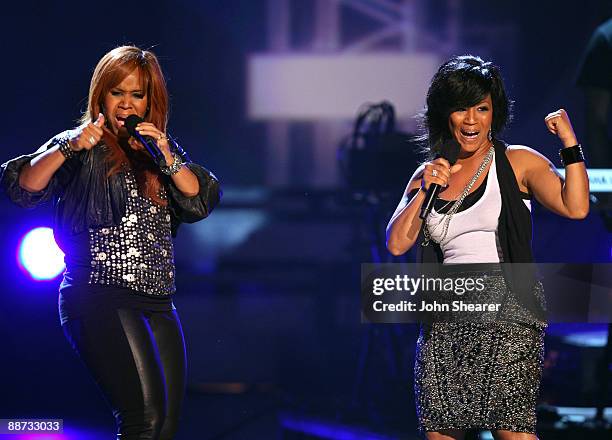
x=84 y=197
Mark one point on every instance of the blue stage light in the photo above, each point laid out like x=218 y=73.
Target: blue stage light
x=39 y=255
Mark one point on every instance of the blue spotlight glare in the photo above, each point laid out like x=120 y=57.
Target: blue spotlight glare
x=39 y=255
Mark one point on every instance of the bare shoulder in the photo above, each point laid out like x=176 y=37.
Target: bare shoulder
x=418 y=173
x=528 y=164
x=415 y=180
x=523 y=153
x=523 y=158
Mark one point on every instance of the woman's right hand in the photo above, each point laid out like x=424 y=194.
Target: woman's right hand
x=87 y=136
x=438 y=171
x=405 y=224
x=38 y=173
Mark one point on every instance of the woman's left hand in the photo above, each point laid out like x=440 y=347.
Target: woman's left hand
x=148 y=129
x=558 y=123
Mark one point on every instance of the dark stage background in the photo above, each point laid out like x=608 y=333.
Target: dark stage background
x=268 y=285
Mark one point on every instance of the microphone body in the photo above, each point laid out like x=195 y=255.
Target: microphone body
x=449 y=151
x=148 y=142
x=430 y=198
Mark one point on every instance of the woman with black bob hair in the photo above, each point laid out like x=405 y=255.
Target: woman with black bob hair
x=483 y=372
x=463 y=82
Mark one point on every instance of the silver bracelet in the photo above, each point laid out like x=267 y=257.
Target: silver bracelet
x=175 y=167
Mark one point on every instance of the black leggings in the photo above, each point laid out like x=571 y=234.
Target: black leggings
x=137 y=358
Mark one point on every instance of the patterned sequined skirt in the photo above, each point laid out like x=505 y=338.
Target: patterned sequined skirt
x=484 y=375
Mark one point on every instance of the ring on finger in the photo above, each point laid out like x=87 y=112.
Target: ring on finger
x=434 y=172
x=92 y=140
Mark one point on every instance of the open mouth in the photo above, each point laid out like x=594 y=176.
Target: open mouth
x=121 y=120
x=469 y=134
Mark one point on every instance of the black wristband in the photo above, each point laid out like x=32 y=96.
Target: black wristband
x=571 y=155
x=65 y=149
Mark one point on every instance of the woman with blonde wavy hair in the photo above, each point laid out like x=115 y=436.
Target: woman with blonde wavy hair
x=116 y=211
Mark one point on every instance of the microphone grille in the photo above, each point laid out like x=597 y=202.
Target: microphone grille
x=131 y=122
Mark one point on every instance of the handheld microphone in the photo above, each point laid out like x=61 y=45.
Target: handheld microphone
x=148 y=142
x=449 y=151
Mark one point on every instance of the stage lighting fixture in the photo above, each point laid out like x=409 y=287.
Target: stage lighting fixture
x=39 y=255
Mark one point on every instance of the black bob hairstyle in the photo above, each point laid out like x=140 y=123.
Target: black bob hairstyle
x=462 y=81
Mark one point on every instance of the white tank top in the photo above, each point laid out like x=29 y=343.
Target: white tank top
x=472 y=234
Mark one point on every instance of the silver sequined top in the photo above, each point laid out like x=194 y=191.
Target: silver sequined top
x=138 y=253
